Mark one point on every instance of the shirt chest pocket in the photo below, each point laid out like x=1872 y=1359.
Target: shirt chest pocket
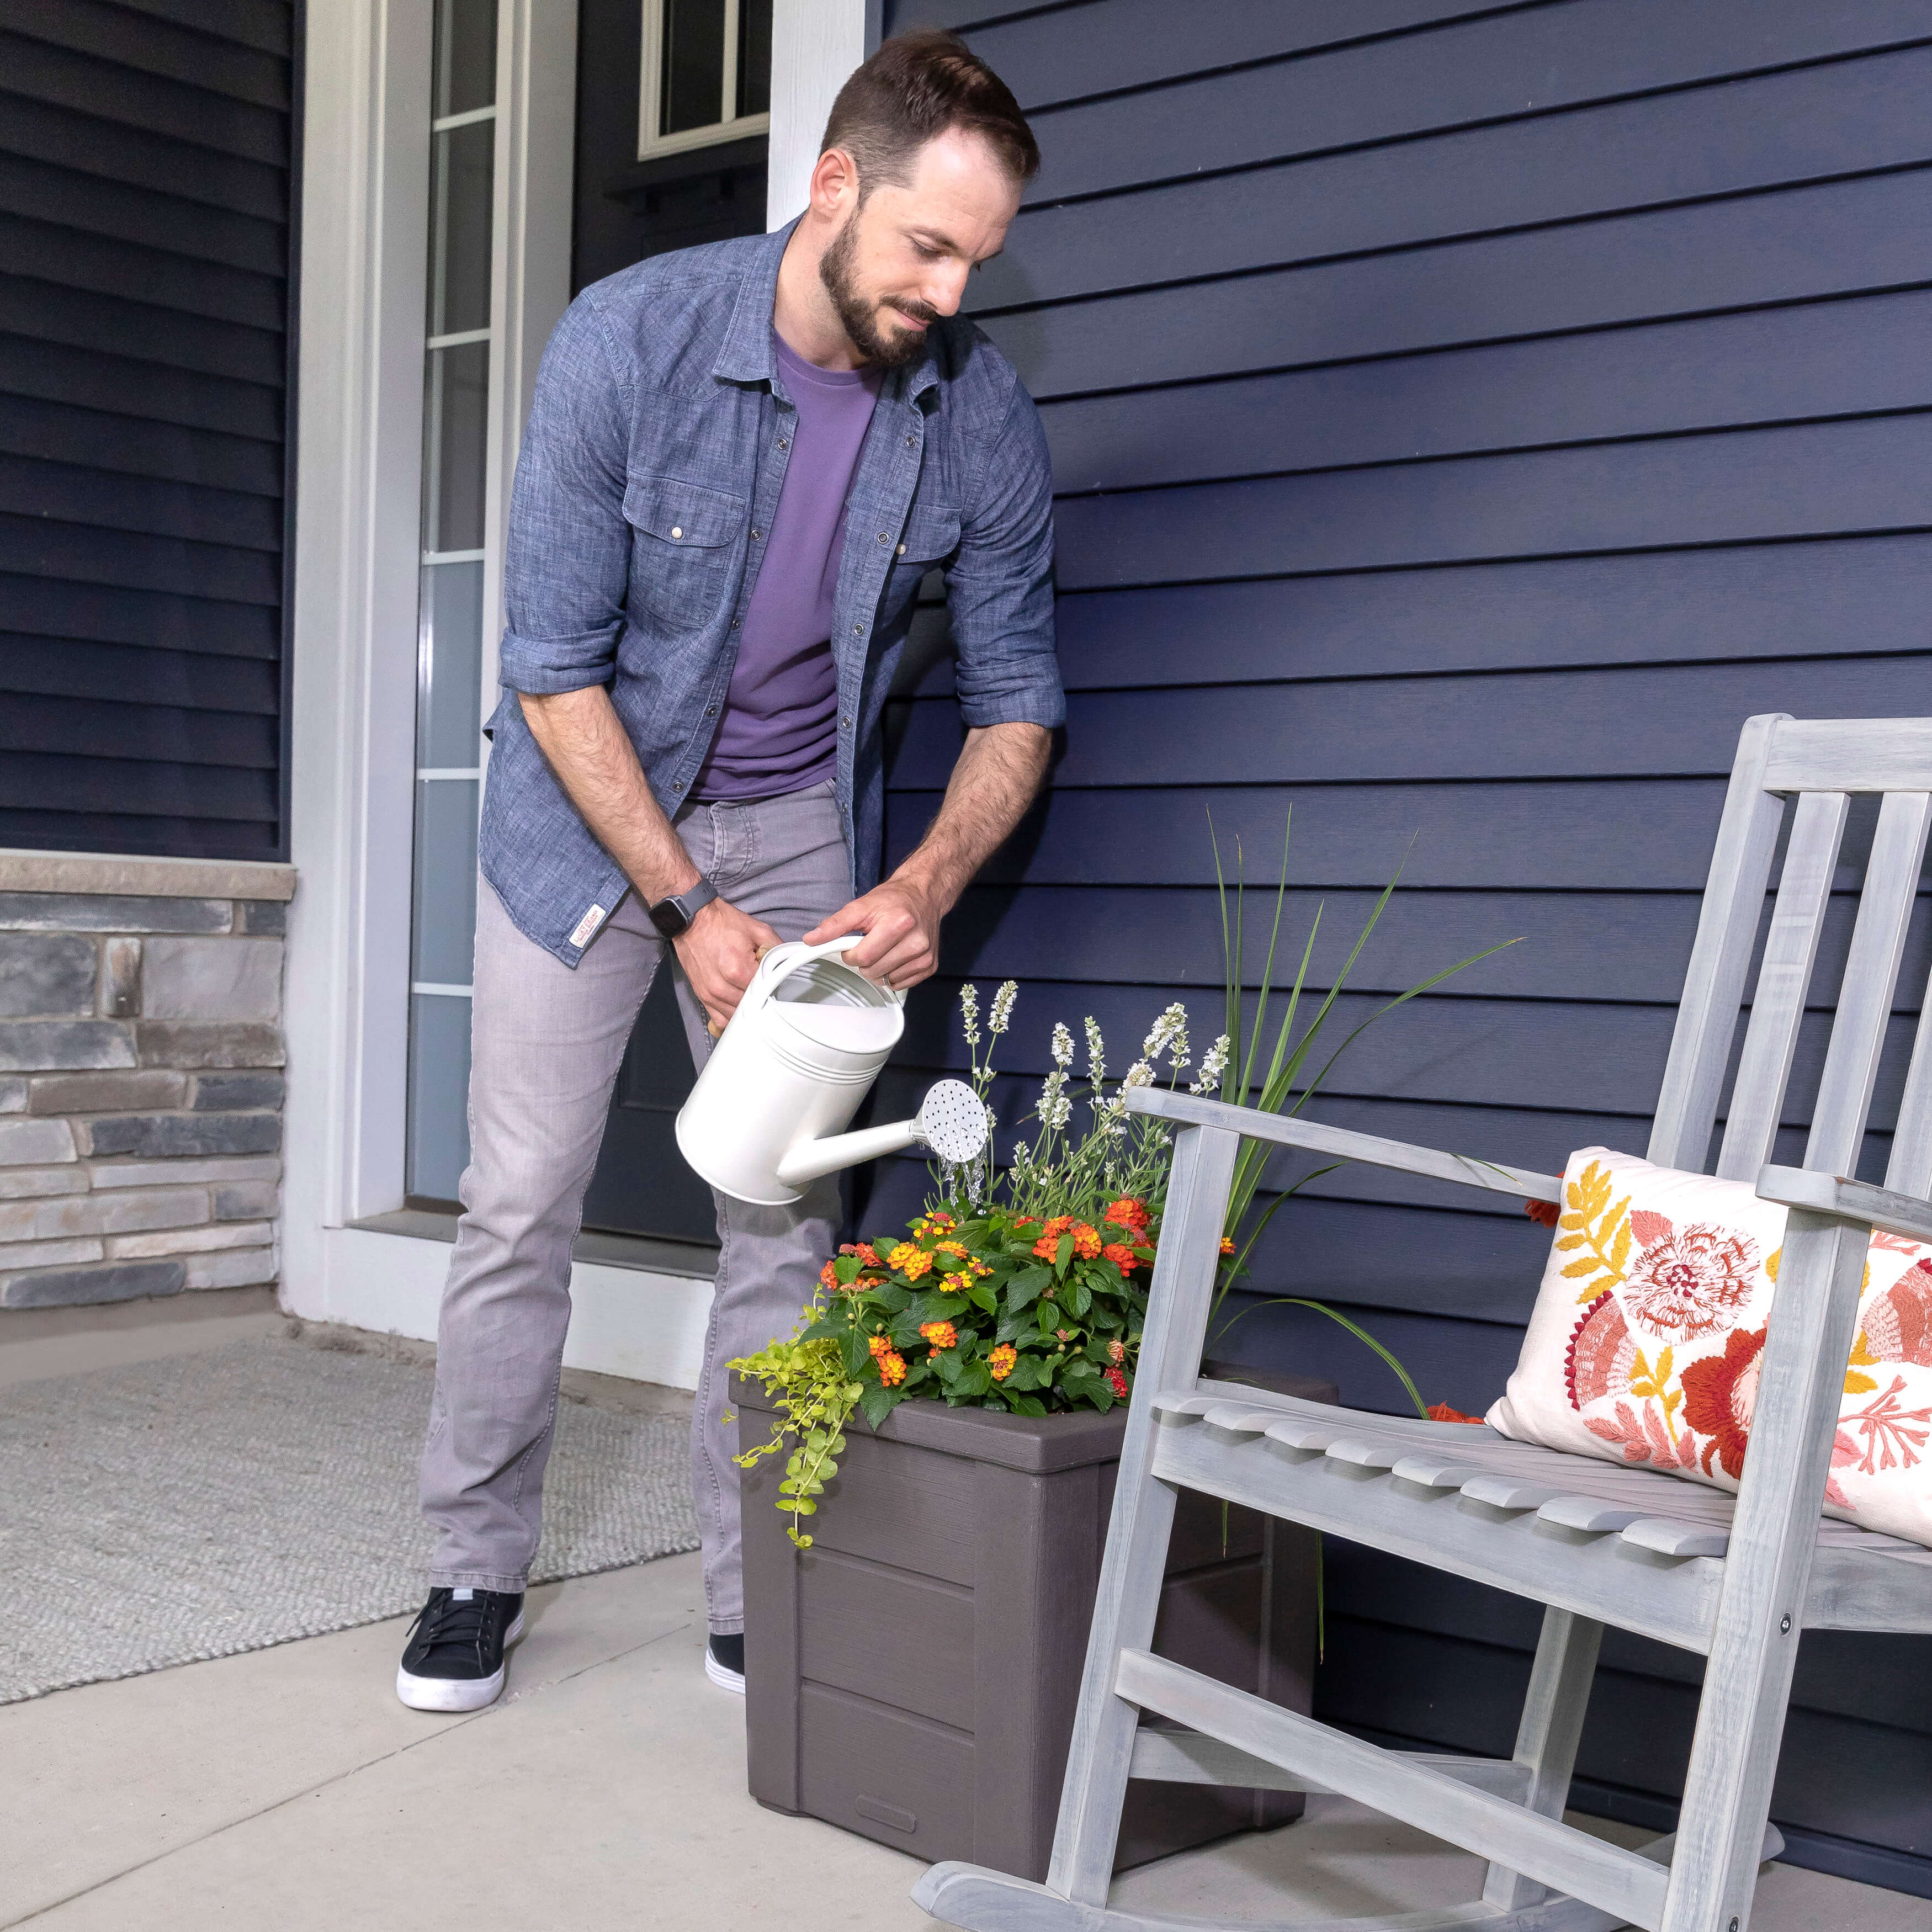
x=931 y=536
x=683 y=539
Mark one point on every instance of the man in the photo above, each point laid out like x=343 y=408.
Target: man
x=740 y=462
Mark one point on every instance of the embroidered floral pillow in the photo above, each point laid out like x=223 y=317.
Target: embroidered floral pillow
x=1648 y=1334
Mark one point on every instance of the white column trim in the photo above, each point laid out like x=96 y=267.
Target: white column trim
x=815 y=45
x=365 y=214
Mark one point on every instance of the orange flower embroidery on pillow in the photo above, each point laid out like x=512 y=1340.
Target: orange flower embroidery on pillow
x=1720 y=1396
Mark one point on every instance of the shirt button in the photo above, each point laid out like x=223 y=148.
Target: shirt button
x=756 y=536
x=783 y=443
x=846 y=723
x=902 y=550
x=737 y=622
x=711 y=711
x=911 y=440
x=677 y=530
x=677 y=784
x=884 y=538
x=858 y=630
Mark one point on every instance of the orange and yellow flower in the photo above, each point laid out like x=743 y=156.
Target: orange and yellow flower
x=880 y=1347
x=1116 y=1350
x=958 y=1248
x=956 y=1284
x=1227 y=1244
x=892 y=1368
x=1086 y=1240
x=1124 y=1259
x=828 y=1275
x=979 y=1267
x=867 y=1253
x=1130 y=1214
x=1001 y=1361
x=1047 y=1247
x=911 y=1260
x=939 y=1335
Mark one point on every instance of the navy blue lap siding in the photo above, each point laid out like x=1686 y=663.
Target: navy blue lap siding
x=146 y=227
x=1463 y=417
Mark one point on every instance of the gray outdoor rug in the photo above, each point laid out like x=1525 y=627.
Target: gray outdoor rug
x=208 y=1504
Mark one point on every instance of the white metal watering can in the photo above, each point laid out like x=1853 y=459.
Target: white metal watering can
x=767 y=1116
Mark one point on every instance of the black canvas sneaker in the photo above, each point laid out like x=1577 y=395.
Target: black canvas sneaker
x=724 y=1662
x=454 y=1659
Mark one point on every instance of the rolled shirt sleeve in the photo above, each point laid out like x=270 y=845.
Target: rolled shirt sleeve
x=567 y=561
x=1000 y=588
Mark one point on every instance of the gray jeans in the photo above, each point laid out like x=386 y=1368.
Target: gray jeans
x=546 y=1045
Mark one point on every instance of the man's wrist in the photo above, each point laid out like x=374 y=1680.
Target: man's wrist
x=674 y=913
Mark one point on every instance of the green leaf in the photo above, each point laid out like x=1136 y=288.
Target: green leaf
x=845 y=1269
x=974 y=1379
x=934 y=1306
x=983 y=1298
x=1074 y=1298
x=1064 y=1253
x=1028 y=1405
x=1025 y=1286
x=892 y=1298
x=853 y=1351
x=878 y=1402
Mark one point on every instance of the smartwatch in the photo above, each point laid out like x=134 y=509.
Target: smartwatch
x=673 y=916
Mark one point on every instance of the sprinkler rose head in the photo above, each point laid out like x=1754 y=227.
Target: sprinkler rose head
x=953 y=1123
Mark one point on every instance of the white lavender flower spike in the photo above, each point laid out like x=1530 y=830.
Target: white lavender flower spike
x=1063 y=1045
x=1003 y=1007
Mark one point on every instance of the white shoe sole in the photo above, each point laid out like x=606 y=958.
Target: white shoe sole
x=732 y=1680
x=458 y=1693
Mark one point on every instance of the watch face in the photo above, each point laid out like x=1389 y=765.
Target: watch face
x=668 y=916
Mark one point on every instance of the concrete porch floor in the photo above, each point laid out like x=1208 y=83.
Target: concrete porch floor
x=288 y=1788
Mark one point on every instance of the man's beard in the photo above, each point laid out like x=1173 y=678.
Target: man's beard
x=890 y=349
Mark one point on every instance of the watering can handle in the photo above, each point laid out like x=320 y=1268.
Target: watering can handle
x=788 y=958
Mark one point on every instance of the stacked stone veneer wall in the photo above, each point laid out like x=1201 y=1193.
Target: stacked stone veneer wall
x=140 y=1087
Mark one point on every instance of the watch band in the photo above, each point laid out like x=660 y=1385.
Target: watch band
x=674 y=915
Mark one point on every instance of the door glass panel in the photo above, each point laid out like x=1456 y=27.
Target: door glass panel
x=444 y=938
x=463 y=162
x=449 y=666
x=465 y=56
x=456 y=412
x=439 y=1128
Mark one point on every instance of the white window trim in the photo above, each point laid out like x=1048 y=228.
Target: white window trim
x=730 y=126
x=358 y=560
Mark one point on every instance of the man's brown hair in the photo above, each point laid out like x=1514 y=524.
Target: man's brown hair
x=918 y=86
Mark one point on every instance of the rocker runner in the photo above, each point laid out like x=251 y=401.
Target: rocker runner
x=741 y=461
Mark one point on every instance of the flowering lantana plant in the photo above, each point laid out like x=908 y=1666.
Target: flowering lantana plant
x=1023 y=1289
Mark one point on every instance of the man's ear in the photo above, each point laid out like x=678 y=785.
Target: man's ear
x=835 y=184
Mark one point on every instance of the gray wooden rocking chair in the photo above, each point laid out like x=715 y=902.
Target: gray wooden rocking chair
x=1736 y=1579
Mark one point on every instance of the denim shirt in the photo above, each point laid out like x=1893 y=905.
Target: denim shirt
x=648 y=477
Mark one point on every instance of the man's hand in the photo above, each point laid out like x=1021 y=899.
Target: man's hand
x=719 y=952
x=900 y=921
x=997 y=777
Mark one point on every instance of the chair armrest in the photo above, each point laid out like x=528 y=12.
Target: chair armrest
x=1290 y=1130
x=1855 y=1200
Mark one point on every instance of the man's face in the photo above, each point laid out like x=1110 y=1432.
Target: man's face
x=901 y=259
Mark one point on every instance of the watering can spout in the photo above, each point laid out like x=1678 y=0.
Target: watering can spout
x=951 y=1122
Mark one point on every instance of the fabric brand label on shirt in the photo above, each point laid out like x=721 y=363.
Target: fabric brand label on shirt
x=587 y=926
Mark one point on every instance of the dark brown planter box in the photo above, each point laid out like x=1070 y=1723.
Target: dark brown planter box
x=912 y=1676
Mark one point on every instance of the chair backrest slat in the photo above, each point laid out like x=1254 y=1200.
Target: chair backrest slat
x=1909 y=1169
x=1777 y=1003
x=1714 y=986
x=1849 y=755
x=1871 y=978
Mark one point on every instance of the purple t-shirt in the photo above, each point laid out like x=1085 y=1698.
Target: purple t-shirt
x=780 y=729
